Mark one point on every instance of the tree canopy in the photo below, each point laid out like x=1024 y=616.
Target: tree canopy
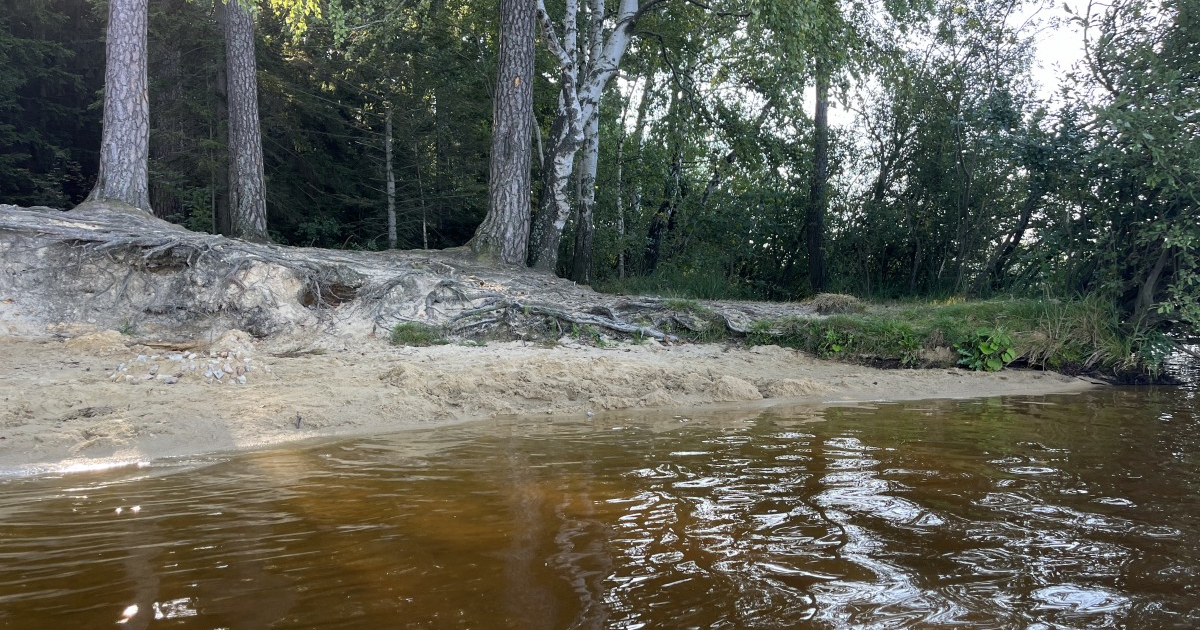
x=947 y=171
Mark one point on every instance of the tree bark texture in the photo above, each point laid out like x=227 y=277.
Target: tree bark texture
x=565 y=135
x=391 y=181
x=125 y=140
x=579 y=109
x=585 y=229
x=246 y=180
x=818 y=197
x=555 y=204
x=504 y=233
x=1146 y=293
x=222 y=199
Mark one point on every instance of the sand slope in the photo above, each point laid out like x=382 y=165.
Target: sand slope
x=98 y=397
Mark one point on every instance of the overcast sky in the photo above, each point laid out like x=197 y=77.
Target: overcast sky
x=1059 y=45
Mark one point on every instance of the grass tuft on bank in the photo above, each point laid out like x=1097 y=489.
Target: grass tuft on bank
x=416 y=334
x=1080 y=336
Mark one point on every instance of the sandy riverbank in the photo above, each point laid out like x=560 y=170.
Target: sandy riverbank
x=99 y=397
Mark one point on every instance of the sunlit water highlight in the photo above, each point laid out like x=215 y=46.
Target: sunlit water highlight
x=1050 y=512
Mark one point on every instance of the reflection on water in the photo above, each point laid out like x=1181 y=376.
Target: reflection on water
x=1054 y=512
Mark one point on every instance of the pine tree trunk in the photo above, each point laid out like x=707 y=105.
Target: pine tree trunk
x=125 y=141
x=818 y=198
x=247 y=183
x=391 y=180
x=504 y=233
x=223 y=192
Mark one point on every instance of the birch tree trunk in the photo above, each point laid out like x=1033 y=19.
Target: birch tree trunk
x=555 y=205
x=391 y=181
x=639 y=136
x=248 y=203
x=585 y=230
x=579 y=104
x=125 y=140
x=504 y=233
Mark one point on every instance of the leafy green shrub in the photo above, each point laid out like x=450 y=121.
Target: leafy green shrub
x=1153 y=349
x=987 y=351
x=835 y=341
x=415 y=334
x=903 y=342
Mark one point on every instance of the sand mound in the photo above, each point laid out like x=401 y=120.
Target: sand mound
x=103 y=342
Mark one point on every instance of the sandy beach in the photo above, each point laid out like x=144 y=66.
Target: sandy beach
x=86 y=399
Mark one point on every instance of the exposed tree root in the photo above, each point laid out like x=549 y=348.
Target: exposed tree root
x=117 y=269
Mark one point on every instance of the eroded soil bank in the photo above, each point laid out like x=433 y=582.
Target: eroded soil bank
x=224 y=345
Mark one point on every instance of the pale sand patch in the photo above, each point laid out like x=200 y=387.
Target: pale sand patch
x=64 y=403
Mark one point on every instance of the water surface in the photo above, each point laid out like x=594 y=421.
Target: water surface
x=1050 y=512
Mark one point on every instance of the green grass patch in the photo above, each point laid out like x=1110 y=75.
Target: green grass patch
x=685 y=304
x=414 y=334
x=1072 y=336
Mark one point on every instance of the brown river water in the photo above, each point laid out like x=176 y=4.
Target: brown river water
x=1074 y=511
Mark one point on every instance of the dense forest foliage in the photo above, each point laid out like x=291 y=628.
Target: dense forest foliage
x=716 y=172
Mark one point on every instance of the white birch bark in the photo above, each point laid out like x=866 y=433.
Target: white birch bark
x=581 y=268
x=579 y=110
